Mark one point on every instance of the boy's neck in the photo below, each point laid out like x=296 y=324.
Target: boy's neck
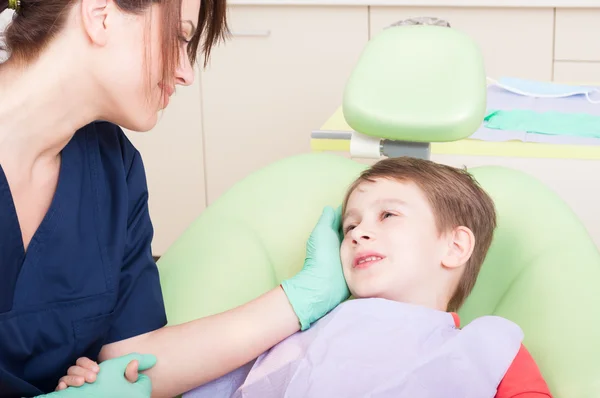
x=422 y=298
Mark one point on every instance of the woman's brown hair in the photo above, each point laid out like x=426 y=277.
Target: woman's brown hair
x=37 y=22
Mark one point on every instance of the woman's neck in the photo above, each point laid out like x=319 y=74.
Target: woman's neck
x=41 y=107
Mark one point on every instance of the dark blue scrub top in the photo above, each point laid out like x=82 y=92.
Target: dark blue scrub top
x=88 y=277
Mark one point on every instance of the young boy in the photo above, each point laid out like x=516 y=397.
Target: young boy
x=415 y=234
x=418 y=232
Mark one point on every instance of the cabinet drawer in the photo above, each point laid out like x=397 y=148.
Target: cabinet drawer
x=576 y=35
x=514 y=41
x=577 y=72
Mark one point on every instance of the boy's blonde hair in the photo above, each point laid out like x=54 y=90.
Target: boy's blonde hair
x=456 y=200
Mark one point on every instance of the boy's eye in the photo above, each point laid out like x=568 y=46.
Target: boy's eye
x=386 y=214
x=348 y=229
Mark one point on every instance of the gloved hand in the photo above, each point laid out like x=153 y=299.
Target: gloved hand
x=320 y=286
x=111 y=381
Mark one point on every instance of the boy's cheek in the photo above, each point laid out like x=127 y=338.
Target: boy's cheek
x=345 y=257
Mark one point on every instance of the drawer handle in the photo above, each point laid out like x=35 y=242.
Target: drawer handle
x=251 y=33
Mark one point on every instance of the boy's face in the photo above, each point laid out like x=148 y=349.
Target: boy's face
x=392 y=248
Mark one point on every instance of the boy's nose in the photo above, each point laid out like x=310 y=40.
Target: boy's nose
x=362 y=238
x=360 y=234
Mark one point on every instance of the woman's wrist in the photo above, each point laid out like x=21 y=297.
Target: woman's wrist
x=288 y=313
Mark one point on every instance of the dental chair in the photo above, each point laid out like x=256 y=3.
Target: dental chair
x=412 y=85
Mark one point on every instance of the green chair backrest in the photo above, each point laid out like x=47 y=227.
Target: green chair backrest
x=542 y=270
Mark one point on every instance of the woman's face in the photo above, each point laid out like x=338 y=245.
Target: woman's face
x=133 y=77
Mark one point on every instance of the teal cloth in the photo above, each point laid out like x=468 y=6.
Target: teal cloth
x=551 y=123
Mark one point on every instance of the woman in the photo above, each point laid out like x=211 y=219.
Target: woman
x=78 y=276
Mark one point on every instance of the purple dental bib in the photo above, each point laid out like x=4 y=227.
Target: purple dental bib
x=378 y=348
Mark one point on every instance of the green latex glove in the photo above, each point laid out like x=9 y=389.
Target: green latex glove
x=111 y=381
x=320 y=286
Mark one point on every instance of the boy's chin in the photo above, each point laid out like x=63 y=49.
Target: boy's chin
x=366 y=292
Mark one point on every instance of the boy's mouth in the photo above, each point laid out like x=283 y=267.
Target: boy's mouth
x=364 y=260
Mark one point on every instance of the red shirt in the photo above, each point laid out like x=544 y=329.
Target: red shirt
x=523 y=379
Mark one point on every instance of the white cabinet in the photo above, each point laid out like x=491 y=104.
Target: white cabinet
x=574 y=72
x=173 y=156
x=576 y=48
x=576 y=34
x=281 y=74
x=514 y=41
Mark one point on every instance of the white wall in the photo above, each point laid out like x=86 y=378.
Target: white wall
x=5 y=18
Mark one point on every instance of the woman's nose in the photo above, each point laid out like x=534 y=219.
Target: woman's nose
x=184 y=75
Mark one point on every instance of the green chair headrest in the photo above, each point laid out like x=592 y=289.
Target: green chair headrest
x=419 y=83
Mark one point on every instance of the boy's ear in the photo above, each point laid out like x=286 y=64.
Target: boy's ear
x=461 y=242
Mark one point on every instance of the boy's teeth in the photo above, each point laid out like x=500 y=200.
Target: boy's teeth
x=372 y=258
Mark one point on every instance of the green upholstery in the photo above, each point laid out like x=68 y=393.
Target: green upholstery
x=542 y=270
x=417 y=83
x=252 y=237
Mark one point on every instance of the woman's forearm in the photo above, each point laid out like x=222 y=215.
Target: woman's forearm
x=199 y=351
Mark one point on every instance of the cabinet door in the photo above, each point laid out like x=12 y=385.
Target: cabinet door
x=576 y=34
x=577 y=72
x=573 y=180
x=515 y=41
x=173 y=157
x=278 y=77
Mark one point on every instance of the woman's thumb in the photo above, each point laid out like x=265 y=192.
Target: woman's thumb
x=328 y=217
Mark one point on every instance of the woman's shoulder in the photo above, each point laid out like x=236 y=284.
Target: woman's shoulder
x=109 y=144
x=110 y=166
x=112 y=141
